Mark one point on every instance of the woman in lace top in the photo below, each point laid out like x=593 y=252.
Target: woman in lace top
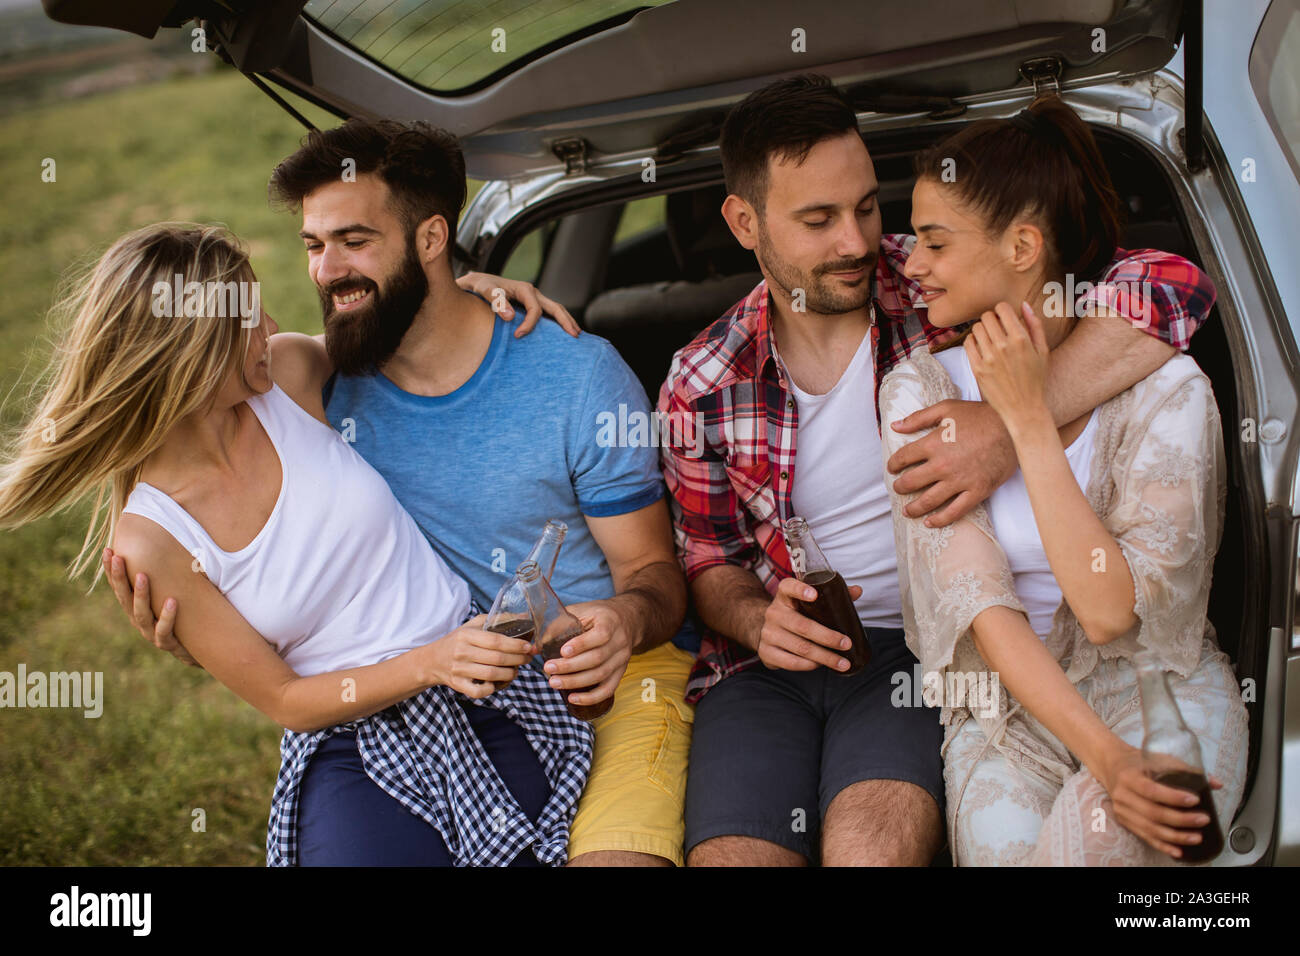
x=1100 y=546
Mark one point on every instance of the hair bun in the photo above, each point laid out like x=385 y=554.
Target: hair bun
x=1036 y=122
x=1024 y=120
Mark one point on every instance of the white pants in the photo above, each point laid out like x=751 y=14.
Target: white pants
x=1007 y=817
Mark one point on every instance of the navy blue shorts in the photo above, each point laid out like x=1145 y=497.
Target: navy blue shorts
x=346 y=819
x=770 y=749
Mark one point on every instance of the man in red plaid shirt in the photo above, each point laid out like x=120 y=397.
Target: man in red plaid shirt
x=792 y=762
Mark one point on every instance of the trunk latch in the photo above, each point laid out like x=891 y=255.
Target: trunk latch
x=1044 y=72
x=573 y=152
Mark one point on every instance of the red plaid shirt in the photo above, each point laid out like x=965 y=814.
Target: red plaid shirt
x=730 y=501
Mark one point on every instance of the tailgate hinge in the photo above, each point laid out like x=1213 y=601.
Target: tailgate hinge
x=574 y=154
x=1044 y=72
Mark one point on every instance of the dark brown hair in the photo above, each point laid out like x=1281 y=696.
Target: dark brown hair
x=785 y=119
x=422 y=165
x=1043 y=163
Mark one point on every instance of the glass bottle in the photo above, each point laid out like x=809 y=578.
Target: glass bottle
x=555 y=628
x=547 y=549
x=511 y=615
x=833 y=608
x=1171 y=754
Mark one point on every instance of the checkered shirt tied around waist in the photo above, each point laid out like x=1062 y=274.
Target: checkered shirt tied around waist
x=424 y=754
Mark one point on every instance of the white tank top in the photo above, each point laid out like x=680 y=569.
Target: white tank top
x=1011 y=514
x=340 y=575
x=839 y=490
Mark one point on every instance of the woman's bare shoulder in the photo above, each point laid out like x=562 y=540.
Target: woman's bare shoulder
x=300 y=366
x=144 y=544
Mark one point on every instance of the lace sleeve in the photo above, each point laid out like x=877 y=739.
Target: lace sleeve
x=946 y=576
x=1168 y=514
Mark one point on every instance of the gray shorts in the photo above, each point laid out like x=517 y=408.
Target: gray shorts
x=771 y=749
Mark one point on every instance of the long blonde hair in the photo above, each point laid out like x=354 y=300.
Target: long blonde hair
x=122 y=376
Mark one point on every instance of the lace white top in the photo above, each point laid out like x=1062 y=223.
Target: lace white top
x=1156 y=480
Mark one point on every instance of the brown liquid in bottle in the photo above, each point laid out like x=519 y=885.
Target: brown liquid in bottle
x=1211 y=844
x=834 y=609
x=551 y=651
x=522 y=629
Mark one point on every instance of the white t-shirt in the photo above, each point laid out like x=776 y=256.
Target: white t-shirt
x=839 y=488
x=1011 y=514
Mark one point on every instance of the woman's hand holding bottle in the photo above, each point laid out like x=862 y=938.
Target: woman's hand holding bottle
x=1164 y=817
x=469 y=654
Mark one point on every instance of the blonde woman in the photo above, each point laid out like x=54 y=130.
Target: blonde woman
x=301 y=583
x=1101 y=545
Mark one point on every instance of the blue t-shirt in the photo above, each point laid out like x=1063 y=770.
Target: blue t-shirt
x=483 y=468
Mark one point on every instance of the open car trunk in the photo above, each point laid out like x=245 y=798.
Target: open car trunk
x=531 y=85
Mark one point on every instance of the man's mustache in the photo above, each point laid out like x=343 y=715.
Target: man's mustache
x=847 y=265
x=346 y=285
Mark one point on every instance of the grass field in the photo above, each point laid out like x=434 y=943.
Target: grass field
x=123 y=788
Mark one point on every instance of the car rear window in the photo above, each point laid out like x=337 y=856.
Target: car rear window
x=453 y=46
x=1275 y=75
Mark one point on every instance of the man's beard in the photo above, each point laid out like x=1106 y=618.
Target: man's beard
x=360 y=340
x=820 y=294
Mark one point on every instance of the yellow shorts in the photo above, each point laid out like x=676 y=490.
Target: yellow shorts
x=637 y=787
